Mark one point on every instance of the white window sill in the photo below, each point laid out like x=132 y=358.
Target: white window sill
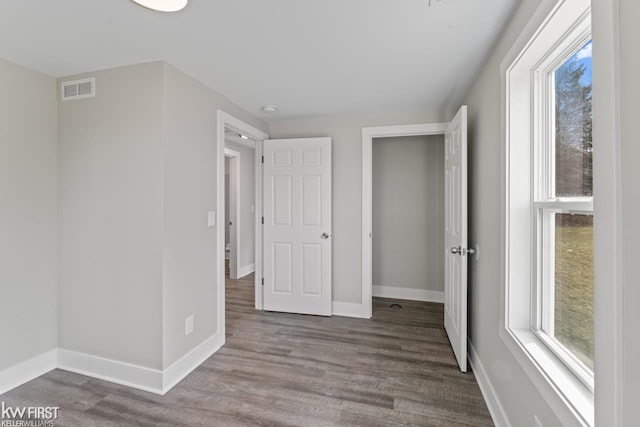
x=568 y=397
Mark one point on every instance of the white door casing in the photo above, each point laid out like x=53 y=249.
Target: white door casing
x=228 y=122
x=368 y=135
x=234 y=217
x=297 y=229
x=455 y=202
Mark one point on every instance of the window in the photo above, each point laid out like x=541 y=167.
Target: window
x=563 y=207
x=548 y=217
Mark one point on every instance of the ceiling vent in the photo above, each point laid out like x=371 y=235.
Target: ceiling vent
x=78 y=89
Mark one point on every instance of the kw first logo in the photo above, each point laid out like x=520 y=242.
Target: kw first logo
x=27 y=416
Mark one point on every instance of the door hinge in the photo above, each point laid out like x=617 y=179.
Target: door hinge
x=263 y=281
x=262 y=159
x=263 y=220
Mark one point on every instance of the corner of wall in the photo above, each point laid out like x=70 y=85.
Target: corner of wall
x=28 y=217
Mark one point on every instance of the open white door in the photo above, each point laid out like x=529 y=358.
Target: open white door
x=455 y=236
x=297 y=226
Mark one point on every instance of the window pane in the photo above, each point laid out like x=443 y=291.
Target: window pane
x=573 y=144
x=573 y=317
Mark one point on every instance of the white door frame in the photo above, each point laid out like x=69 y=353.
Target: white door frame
x=368 y=134
x=234 y=210
x=225 y=120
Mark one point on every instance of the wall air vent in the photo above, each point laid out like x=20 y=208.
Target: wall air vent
x=78 y=89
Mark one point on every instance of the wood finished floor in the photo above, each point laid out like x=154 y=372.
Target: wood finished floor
x=291 y=370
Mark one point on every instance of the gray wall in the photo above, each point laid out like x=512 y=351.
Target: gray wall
x=630 y=203
x=247 y=200
x=111 y=195
x=346 y=133
x=137 y=178
x=189 y=246
x=408 y=212
x=28 y=214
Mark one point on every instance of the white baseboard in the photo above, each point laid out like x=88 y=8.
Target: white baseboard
x=408 y=293
x=114 y=371
x=190 y=361
x=488 y=392
x=140 y=377
x=23 y=372
x=246 y=270
x=346 y=309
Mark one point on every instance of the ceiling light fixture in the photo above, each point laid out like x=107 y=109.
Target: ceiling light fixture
x=269 y=109
x=163 y=5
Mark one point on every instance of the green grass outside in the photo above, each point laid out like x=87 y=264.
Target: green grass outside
x=574 y=290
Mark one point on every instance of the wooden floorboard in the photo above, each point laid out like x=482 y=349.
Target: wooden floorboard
x=280 y=369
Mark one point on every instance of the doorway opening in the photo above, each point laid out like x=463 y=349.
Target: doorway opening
x=368 y=136
x=232 y=246
x=408 y=218
x=240 y=207
x=247 y=257
x=455 y=251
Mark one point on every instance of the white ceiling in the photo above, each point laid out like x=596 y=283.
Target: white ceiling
x=310 y=58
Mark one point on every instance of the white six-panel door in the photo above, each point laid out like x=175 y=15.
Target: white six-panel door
x=297 y=226
x=455 y=202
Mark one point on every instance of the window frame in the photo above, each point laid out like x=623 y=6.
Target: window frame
x=545 y=203
x=549 y=31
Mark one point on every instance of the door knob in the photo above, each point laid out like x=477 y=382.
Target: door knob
x=324 y=236
x=462 y=251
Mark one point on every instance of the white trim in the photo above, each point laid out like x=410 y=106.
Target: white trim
x=114 y=371
x=550 y=378
x=234 y=211
x=189 y=362
x=346 y=309
x=136 y=376
x=246 y=270
x=367 y=223
x=489 y=393
x=20 y=373
x=408 y=294
x=226 y=120
x=368 y=133
x=258 y=223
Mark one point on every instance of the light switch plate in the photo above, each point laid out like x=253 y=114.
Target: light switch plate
x=212 y=219
x=188 y=325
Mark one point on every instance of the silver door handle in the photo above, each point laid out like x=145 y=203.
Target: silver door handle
x=324 y=236
x=462 y=251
